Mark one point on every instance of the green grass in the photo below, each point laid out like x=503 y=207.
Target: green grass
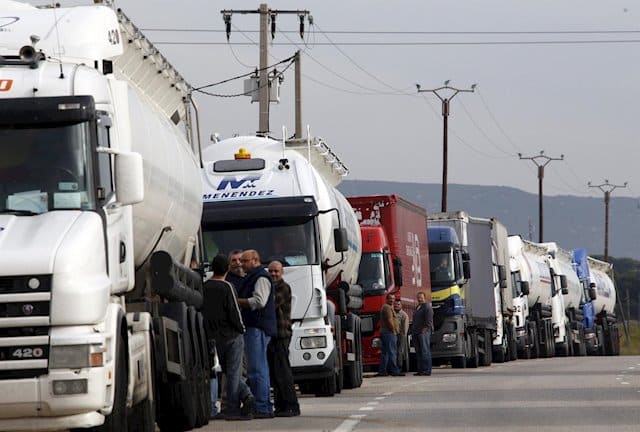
x=631 y=347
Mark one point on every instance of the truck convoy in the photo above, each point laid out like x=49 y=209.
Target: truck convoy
x=471 y=294
x=394 y=254
x=601 y=332
x=279 y=198
x=99 y=211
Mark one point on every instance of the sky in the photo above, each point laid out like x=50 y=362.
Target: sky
x=361 y=60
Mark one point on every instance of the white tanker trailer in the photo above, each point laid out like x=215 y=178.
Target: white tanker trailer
x=534 y=298
x=604 y=304
x=96 y=174
x=279 y=199
x=574 y=299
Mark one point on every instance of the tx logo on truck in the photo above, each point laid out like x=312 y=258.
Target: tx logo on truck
x=5 y=84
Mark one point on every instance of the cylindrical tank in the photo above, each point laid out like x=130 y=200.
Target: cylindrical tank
x=572 y=298
x=172 y=184
x=534 y=268
x=605 y=288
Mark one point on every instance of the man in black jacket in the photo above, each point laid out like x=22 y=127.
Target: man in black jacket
x=224 y=325
x=421 y=328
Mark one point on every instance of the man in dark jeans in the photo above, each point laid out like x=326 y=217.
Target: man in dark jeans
x=284 y=390
x=389 y=339
x=224 y=325
x=421 y=328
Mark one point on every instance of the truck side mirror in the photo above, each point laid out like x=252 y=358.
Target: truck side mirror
x=592 y=292
x=563 y=281
x=466 y=269
x=524 y=287
x=340 y=239
x=502 y=276
x=129 y=180
x=397 y=271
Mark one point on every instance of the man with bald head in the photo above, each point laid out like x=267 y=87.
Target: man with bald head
x=257 y=300
x=284 y=391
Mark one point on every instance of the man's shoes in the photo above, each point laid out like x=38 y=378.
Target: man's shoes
x=238 y=417
x=381 y=375
x=422 y=374
x=287 y=413
x=262 y=415
x=248 y=405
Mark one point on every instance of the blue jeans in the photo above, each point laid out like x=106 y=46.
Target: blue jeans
x=255 y=345
x=230 y=355
x=421 y=342
x=389 y=354
x=213 y=385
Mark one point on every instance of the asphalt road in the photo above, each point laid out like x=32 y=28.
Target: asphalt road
x=559 y=394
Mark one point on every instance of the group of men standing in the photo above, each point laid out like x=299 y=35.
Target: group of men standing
x=394 y=327
x=247 y=311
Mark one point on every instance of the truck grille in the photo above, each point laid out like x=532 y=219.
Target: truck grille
x=24 y=332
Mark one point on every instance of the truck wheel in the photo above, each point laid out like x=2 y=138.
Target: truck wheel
x=486 y=356
x=511 y=340
x=534 y=348
x=353 y=371
x=580 y=344
x=143 y=417
x=600 y=336
x=327 y=387
x=473 y=361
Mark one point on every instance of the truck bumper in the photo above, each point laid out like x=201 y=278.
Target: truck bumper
x=448 y=341
x=313 y=372
x=30 y=404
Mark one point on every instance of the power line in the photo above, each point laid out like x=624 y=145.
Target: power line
x=495 y=121
x=407 y=32
x=394 y=44
x=464 y=108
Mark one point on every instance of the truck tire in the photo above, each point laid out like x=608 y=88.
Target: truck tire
x=353 y=371
x=326 y=387
x=600 y=335
x=486 y=355
x=473 y=361
x=534 y=347
x=580 y=345
x=563 y=349
x=143 y=417
x=512 y=343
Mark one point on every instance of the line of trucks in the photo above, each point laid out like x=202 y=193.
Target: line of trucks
x=107 y=198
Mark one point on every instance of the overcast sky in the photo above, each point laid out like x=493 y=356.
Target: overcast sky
x=577 y=99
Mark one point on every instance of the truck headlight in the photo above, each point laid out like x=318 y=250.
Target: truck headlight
x=376 y=343
x=449 y=337
x=313 y=342
x=76 y=356
x=69 y=387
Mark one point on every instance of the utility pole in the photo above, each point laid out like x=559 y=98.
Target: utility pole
x=266 y=15
x=607 y=188
x=298 y=96
x=540 y=161
x=452 y=92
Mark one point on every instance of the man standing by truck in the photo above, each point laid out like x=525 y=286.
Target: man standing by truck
x=284 y=390
x=403 y=328
x=257 y=301
x=421 y=329
x=388 y=332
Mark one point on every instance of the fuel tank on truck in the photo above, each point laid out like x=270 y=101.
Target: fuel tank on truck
x=605 y=289
x=536 y=266
x=172 y=205
x=575 y=294
x=306 y=174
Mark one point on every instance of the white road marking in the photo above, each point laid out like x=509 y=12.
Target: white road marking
x=367 y=408
x=624 y=383
x=387 y=394
x=380 y=398
x=373 y=403
x=350 y=424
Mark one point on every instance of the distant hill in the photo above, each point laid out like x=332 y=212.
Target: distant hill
x=570 y=221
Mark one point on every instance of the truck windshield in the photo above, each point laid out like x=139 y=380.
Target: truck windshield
x=44 y=168
x=372 y=276
x=441 y=268
x=293 y=245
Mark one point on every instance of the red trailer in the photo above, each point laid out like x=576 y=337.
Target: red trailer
x=395 y=259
